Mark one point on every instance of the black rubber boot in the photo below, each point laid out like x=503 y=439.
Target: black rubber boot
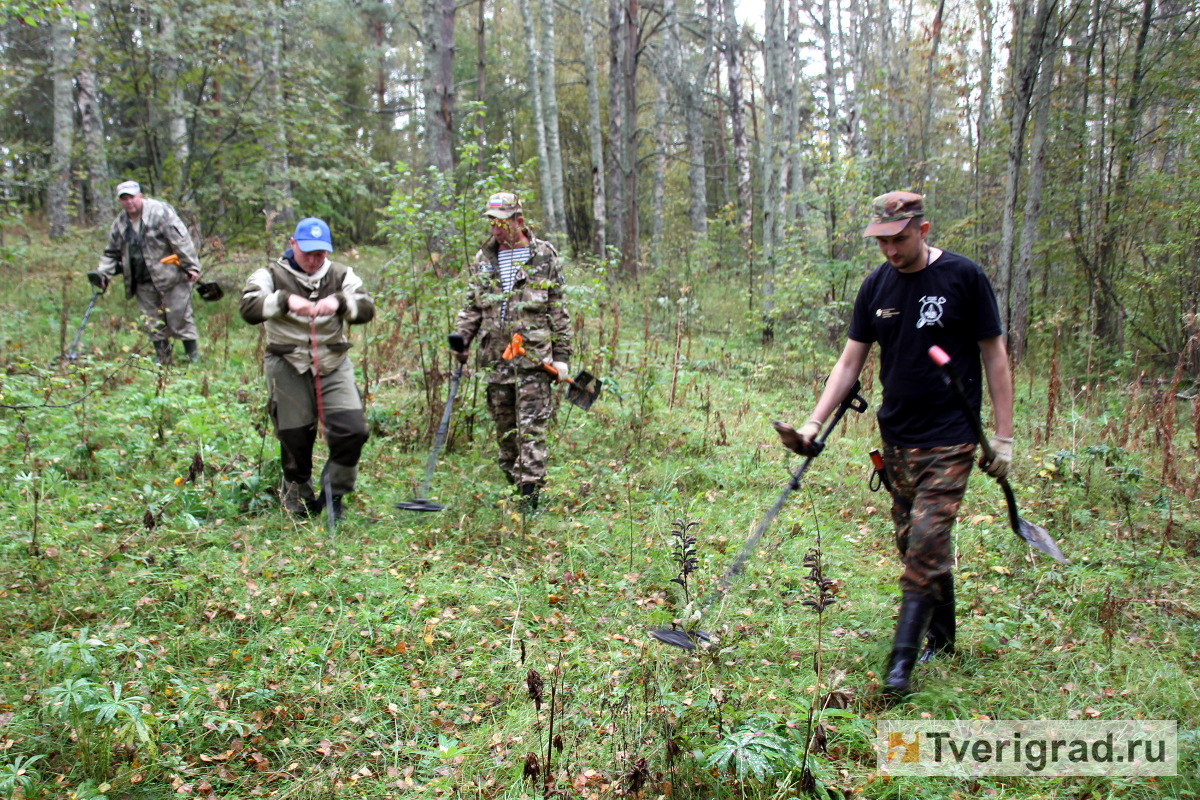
x=942 y=626
x=529 y=496
x=193 y=352
x=163 y=353
x=911 y=625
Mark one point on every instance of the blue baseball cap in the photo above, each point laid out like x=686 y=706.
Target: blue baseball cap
x=313 y=234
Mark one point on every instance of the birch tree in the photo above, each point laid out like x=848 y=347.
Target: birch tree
x=64 y=123
x=550 y=105
x=545 y=176
x=595 y=132
x=91 y=124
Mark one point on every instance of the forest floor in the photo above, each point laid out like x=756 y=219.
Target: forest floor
x=176 y=634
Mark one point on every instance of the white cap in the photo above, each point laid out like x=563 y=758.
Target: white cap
x=128 y=187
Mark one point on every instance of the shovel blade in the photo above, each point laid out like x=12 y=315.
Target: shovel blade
x=1039 y=539
x=684 y=640
x=584 y=391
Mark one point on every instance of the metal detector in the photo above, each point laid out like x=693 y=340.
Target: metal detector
x=687 y=639
x=421 y=503
x=97 y=282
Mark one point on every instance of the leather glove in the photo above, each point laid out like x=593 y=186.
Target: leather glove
x=1002 y=447
x=99 y=280
x=562 y=369
x=799 y=441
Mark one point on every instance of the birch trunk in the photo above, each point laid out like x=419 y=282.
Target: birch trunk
x=439 y=93
x=176 y=106
x=595 y=132
x=659 y=187
x=1023 y=84
x=930 y=86
x=830 y=81
x=1019 y=319
x=616 y=124
x=278 y=208
x=92 y=127
x=61 y=56
x=737 y=118
x=550 y=104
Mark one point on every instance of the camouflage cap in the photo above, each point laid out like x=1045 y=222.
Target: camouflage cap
x=891 y=212
x=503 y=205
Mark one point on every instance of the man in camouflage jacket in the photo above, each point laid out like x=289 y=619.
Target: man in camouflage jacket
x=146 y=232
x=516 y=287
x=286 y=297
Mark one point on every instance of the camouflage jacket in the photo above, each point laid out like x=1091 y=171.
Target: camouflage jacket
x=162 y=233
x=534 y=308
x=265 y=300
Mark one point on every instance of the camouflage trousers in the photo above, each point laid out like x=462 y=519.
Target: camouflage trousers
x=929 y=484
x=167 y=314
x=520 y=411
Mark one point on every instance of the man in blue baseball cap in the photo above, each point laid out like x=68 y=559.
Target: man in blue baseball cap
x=300 y=293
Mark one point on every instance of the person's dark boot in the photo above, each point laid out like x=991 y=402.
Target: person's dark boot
x=529 y=496
x=911 y=625
x=193 y=352
x=163 y=353
x=942 y=626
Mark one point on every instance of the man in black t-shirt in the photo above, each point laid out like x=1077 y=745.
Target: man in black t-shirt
x=920 y=297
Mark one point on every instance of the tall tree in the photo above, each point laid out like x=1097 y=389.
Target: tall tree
x=278 y=206
x=550 y=106
x=62 y=57
x=537 y=110
x=176 y=107
x=91 y=123
x=737 y=117
x=623 y=18
x=595 y=132
x=439 y=85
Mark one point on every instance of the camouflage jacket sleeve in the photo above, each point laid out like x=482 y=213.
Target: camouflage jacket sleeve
x=181 y=241
x=560 y=319
x=354 y=304
x=114 y=250
x=470 y=317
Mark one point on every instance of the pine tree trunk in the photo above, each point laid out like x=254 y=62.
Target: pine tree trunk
x=481 y=84
x=92 y=127
x=64 y=123
x=550 y=104
x=1019 y=319
x=595 y=132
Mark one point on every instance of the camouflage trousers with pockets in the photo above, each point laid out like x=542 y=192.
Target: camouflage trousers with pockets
x=520 y=411
x=929 y=486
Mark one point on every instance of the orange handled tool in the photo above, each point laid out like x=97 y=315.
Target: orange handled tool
x=516 y=348
x=171 y=259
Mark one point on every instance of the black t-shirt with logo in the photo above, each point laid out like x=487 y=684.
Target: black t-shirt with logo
x=950 y=303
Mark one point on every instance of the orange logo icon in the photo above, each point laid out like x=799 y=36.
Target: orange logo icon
x=904 y=748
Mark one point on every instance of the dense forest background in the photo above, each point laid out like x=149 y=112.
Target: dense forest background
x=1054 y=139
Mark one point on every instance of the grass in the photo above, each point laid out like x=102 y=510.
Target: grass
x=186 y=638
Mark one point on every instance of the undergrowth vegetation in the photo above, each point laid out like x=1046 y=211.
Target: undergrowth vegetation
x=167 y=630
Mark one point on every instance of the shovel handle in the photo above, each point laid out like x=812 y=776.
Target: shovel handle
x=546 y=365
x=942 y=359
x=171 y=259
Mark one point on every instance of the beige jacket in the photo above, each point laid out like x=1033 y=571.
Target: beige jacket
x=162 y=234
x=265 y=300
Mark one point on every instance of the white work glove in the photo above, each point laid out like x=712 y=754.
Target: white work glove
x=562 y=369
x=1002 y=447
x=798 y=441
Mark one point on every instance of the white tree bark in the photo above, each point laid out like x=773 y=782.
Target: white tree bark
x=545 y=178
x=439 y=92
x=62 y=56
x=92 y=127
x=550 y=104
x=595 y=132
x=737 y=118
x=659 y=187
x=176 y=105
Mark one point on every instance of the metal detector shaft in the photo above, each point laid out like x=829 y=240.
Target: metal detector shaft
x=441 y=434
x=79 y=333
x=852 y=401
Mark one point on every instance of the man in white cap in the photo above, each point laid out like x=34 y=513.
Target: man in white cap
x=302 y=292
x=151 y=246
x=516 y=287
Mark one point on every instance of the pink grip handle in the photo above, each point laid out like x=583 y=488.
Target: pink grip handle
x=939 y=356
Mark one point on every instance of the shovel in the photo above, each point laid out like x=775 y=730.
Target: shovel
x=98 y=283
x=687 y=639
x=1037 y=537
x=421 y=503
x=581 y=392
